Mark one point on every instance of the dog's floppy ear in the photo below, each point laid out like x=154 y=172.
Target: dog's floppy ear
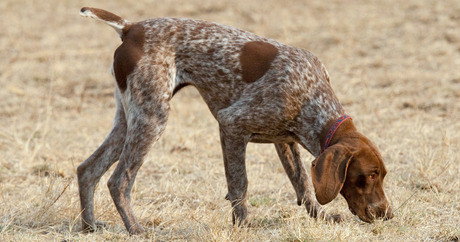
x=329 y=171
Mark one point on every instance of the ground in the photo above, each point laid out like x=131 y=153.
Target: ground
x=393 y=64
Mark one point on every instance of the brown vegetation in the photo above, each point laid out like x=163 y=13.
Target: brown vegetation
x=393 y=64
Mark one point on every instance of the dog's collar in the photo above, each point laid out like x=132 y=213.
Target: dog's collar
x=332 y=130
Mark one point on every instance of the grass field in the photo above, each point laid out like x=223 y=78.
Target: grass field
x=395 y=66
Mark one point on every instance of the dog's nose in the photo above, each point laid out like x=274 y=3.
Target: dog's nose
x=388 y=213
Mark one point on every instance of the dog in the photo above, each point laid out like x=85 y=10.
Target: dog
x=258 y=89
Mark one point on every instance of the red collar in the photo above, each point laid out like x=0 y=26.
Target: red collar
x=332 y=130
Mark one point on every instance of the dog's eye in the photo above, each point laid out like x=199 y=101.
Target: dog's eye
x=372 y=176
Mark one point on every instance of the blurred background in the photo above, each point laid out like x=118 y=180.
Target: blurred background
x=393 y=64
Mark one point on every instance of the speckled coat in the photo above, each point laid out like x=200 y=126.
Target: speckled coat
x=258 y=89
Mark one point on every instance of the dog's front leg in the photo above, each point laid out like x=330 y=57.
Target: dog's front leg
x=234 y=150
x=290 y=158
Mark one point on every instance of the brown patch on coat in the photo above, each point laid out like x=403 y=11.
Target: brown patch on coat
x=256 y=58
x=128 y=54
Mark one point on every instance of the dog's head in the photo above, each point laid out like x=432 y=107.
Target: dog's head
x=354 y=167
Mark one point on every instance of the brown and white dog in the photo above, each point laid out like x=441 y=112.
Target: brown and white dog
x=259 y=90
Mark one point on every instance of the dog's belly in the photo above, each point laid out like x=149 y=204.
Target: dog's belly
x=283 y=137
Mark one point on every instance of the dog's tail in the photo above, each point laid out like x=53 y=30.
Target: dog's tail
x=115 y=21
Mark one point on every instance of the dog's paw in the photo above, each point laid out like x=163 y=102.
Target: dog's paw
x=332 y=218
x=136 y=230
x=336 y=218
x=101 y=225
x=98 y=225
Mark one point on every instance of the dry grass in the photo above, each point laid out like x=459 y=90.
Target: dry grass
x=393 y=64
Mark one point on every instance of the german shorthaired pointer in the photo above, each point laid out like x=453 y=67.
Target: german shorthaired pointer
x=259 y=90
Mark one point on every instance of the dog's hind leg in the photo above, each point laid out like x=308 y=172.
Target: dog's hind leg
x=289 y=155
x=91 y=170
x=144 y=128
x=147 y=103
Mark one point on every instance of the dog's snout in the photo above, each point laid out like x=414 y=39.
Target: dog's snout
x=385 y=212
x=388 y=214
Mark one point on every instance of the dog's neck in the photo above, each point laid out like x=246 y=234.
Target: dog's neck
x=343 y=130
